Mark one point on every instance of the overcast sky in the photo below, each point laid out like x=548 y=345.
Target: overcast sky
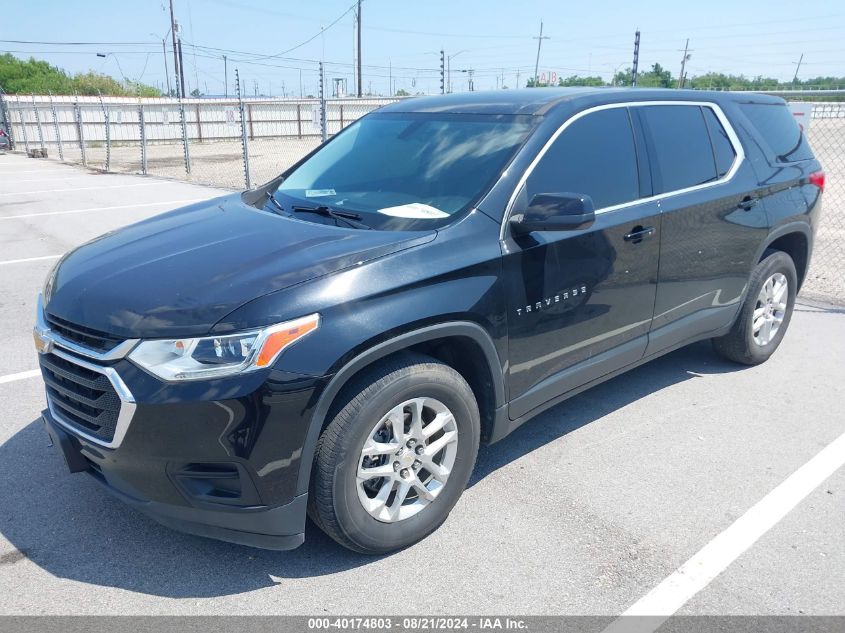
x=402 y=39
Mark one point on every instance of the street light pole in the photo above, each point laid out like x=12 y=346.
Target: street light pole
x=449 y=68
x=164 y=51
x=166 y=71
x=359 y=49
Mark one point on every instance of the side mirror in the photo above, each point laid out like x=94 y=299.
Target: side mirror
x=555 y=212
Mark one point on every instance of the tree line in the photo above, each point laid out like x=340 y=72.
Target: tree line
x=32 y=76
x=659 y=77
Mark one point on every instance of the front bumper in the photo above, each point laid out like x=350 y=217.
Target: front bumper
x=220 y=457
x=279 y=528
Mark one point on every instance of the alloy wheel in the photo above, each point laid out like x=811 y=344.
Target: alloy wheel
x=770 y=309
x=406 y=459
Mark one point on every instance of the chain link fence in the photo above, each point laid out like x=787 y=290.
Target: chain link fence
x=200 y=140
x=238 y=143
x=826 y=277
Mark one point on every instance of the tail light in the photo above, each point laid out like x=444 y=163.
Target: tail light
x=817 y=179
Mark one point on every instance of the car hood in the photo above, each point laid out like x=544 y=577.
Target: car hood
x=179 y=273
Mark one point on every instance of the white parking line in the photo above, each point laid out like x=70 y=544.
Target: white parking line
x=711 y=560
x=29 y=259
x=32 y=373
x=122 y=206
x=38 y=171
x=137 y=184
x=55 y=178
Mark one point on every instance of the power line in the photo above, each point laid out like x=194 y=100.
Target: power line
x=313 y=37
x=461 y=35
x=76 y=43
x=257 y=56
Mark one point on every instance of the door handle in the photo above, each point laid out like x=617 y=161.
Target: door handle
x=748 y=203
x=639 y=233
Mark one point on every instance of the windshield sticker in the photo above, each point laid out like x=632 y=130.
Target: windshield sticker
x=415 y=210
x=316 y=193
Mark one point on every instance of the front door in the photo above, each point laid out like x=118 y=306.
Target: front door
x=580 y=303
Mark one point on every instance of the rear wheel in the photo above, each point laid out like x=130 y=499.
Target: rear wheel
x=396 y=457
x=766 y=313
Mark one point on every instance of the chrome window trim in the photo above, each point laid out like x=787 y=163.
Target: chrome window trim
x=43 y=330
x=127 y=403
x=723 y=119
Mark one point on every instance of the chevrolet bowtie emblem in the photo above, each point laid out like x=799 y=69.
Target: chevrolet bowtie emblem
x=43 y=342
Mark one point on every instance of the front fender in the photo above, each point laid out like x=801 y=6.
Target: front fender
x=371 y=355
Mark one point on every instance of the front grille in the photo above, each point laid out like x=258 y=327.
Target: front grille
x=81 y=397
x=92 y=339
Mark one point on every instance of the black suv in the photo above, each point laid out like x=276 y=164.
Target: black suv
x=339 y=341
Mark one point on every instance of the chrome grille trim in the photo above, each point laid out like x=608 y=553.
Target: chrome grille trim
x=69 y=351
x=42 y=329
x=127 y=403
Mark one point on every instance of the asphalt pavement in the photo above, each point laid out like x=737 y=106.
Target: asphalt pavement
x=584 y=510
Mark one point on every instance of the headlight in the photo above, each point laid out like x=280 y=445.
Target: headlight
x=216 y=356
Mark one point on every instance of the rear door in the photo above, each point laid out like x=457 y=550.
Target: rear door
x=580 y=302
x=711 y=221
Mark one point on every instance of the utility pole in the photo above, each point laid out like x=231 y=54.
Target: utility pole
x=175 y=49
x=470 y=73
x=390 y=78
x=225 y=77
x=683 y=64
x=537 y=63
x=359 y=49
x=181 y=68
x=797 y=68
x=636 y=58
x=442 y=72
x=517 y=79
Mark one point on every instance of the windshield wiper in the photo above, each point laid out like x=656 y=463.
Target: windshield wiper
x=352 y=219
x=272 y=198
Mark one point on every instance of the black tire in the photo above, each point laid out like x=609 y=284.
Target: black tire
x=739 y=344
x=333 y=502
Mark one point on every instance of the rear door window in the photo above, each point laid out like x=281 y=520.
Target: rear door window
x=595 y=155
x=723 y=149
x=779 y=129
x=679 y=146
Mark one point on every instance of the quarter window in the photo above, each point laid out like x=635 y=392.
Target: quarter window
x=780 y=129
x=679 y=146
x=595 y=155
x=723 y=149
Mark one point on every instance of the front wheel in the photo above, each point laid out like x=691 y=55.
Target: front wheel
x=396 y=457
x=766 y=313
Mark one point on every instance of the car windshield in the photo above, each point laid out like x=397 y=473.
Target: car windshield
x=405 y=171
